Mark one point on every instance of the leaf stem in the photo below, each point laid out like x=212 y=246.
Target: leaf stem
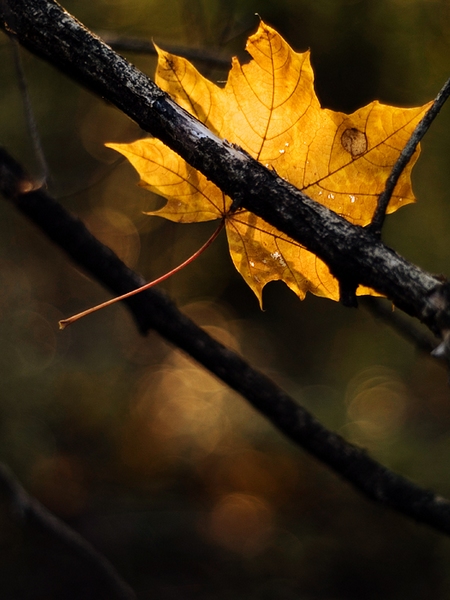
x=65 y=322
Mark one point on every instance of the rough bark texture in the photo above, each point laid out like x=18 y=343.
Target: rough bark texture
x=154 y=310
x=352 y=253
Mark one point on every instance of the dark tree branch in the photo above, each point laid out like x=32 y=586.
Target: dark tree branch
x=37 y=523
x=404 y=158
x=153 y=310
x=352 y=253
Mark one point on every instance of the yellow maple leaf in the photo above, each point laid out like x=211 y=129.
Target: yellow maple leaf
x=270 y=109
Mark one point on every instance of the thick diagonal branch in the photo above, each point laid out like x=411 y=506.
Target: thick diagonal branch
x=153 y=310
x=351 y=253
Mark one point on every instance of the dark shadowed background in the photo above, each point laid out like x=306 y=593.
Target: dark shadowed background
x=187 y=490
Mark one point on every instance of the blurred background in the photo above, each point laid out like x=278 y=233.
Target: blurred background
x=187 y=490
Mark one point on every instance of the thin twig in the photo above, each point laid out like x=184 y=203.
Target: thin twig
x=154 y=310
x=30 y=118
x=380 y=212
x=143 y=46
x=33 y=517
x=422 y=340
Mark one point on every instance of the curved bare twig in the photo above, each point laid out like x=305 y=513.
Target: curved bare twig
x=422 y=340
x=142 y=46
x=422 y=127
x=34 y=520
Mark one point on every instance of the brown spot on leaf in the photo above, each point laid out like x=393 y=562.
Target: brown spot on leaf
x=354 y=141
